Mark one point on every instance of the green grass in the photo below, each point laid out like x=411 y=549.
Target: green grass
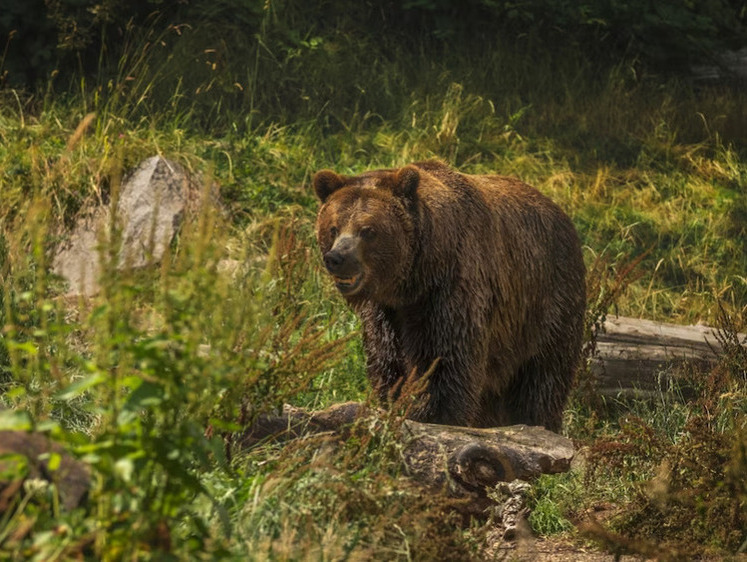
x=644 y=165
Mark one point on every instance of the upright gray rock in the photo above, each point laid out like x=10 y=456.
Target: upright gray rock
x=151 y=207
x=76 y=258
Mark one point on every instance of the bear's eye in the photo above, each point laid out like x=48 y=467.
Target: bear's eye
x=334 y=232
x=368 y=232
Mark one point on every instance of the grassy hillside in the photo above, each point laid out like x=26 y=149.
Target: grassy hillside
x=651 y=169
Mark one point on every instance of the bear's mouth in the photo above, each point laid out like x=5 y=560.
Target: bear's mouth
x=348 y=285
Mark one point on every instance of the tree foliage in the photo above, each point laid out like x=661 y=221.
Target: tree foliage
x=42 y=36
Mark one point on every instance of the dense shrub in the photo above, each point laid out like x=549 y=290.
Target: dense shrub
x=669 y=32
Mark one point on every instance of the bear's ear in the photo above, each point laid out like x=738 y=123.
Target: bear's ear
x=326 y=182
x=406 y=182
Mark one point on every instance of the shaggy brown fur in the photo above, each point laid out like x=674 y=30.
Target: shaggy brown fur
x=482 y=273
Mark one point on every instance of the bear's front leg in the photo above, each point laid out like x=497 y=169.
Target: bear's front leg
x=384 y=363
x=399 y=343
x=448 y=349
x=451 y=393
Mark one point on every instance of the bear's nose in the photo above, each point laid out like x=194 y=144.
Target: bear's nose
x=342 y=259
x=333 y=260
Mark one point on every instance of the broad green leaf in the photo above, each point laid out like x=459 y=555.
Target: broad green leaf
x=80 y=386
x=145 y=395
x=18 y=420
x=124 y=467
x=224 y=425
x=26 y=347
x=53 y=460
x=13 y=466
x=48 y=425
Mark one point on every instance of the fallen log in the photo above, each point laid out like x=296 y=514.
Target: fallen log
x=634 y=358
x=639 y=358
x=461 y=461
x=468 y=462
x=25 y=455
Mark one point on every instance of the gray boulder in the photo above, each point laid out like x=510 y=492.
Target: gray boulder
x=151 y=206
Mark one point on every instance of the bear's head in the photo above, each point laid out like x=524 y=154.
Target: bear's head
x=366 y=231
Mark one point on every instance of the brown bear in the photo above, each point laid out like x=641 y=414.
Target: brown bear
x=478 y=278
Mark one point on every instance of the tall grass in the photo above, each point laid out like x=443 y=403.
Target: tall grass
x=144 y=381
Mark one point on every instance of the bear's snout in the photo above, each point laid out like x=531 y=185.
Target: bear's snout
x=342 y=259
x=334 y=260
x=343 y=263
